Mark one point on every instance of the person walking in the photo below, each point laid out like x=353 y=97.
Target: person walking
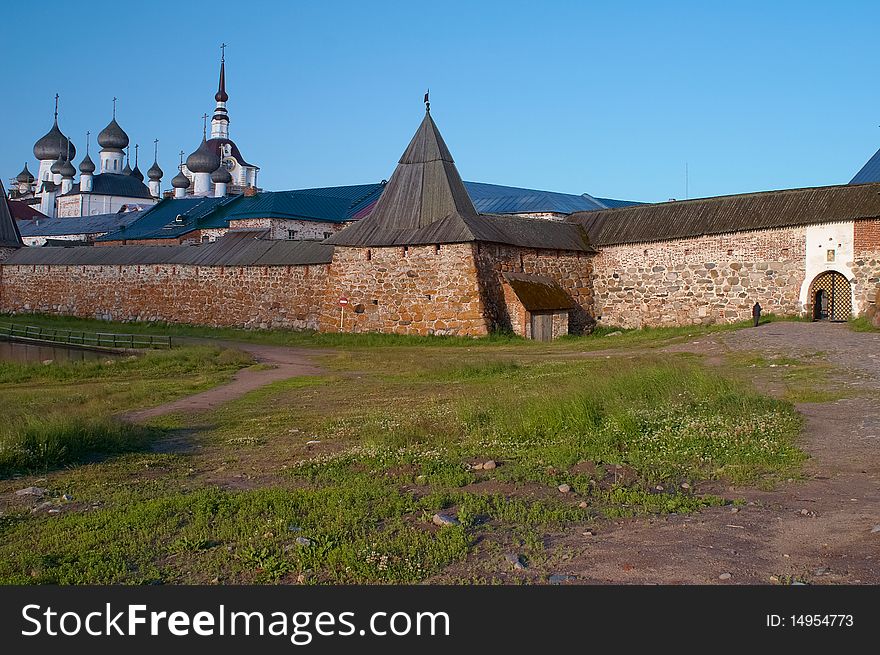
x=756 y=313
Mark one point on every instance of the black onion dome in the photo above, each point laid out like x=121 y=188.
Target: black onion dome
x=154 y=172
x=25 y=176
x=136 y=173
x=203 y=160
x=58 y=165
x=180 y=181
x=113 y=137
x=67 y=169
x=53 y=145
x=127 y=169
x=221 y=176
x=87 y=166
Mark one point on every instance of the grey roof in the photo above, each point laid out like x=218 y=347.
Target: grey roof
x=724 y=214
x=205 y=159
x=180 y=181
x=113 y=137
x=25 y=176
x=87 y=166
x=9 y=236
x=154 y=172
x=500 y=199
x=53 y=144
x=95 y=224
x=114 y=184
x=237 y=249
x=221 y=176
x=426 y=202
x=67 y=169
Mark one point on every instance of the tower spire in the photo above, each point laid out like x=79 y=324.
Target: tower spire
x=221 y=95
x=427 y=101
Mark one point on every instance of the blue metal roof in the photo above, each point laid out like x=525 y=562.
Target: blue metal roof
x=99 y=223
x=336 y=205
x=870 y=172
x=498 y=199
x=331 y=204
x=161 y=220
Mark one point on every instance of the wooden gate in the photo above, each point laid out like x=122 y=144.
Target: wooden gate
x=542 y=327
x=831 y=296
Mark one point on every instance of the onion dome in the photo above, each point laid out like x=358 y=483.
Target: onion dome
x=204 y=159
x=49 y=186
x=87 y=166
x=127 y=169
x=221 y=176
x=113 y=137
x=53 y=144
x=25 y=176
x=67 y=170
x=136 y=173
x=180 y=181
x=58 y=165
x=154 y=172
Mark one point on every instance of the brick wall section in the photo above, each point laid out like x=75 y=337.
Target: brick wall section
x=703 y=280
x=570 y=269
x=427 y=290
x=866 y=236
x=279 y=227
x=243 y=296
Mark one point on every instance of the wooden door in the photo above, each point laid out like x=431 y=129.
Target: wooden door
x=542 y=327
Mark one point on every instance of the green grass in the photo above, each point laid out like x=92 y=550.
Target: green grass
x=359 y=459
x=861 y=324
x=38 y=444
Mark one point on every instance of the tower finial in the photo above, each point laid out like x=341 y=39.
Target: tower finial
x=114 y=108
x=205 y=126
x=222 y=52
x=88 y=140
x=56 y=107
x=221 y=95
x=182 y=153
x=155 y=150
x=136 y=146
x=427 y=102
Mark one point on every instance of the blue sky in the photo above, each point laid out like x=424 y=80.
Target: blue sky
x=613 y=99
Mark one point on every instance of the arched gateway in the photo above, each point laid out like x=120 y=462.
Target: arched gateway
x=831 y=297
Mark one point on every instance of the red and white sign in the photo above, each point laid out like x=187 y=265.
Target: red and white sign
x=343 y=301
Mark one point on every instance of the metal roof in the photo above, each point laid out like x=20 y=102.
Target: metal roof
x=98 y=223
x=538 y=293
x=870 y=172
x=724 y=214
x=229 y=251
x=161 y=220
x=9 y=236
x=498 y=199
x=114 y=184
x=331 y=204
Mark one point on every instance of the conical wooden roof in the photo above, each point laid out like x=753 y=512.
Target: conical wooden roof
x=9 y=236
x=425 y=202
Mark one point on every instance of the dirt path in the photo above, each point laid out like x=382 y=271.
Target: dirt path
x=286 y=362
x=817 y=530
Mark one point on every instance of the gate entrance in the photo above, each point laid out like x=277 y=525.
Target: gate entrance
x=831 y=295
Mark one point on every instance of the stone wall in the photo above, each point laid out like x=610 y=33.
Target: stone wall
x=243 y=296
x=572 y=270
x=280 y=228
x=521 y=318
x=702 y=280
x=413 y=290
x=5 y=252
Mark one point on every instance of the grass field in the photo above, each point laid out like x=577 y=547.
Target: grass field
x=336 y=478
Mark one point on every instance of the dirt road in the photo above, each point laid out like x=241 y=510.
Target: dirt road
x=285 y=362
x=816 y=531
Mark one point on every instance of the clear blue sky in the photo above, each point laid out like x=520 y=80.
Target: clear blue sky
x=607 y=98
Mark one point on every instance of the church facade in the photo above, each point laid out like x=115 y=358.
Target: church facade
x=426 y=261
